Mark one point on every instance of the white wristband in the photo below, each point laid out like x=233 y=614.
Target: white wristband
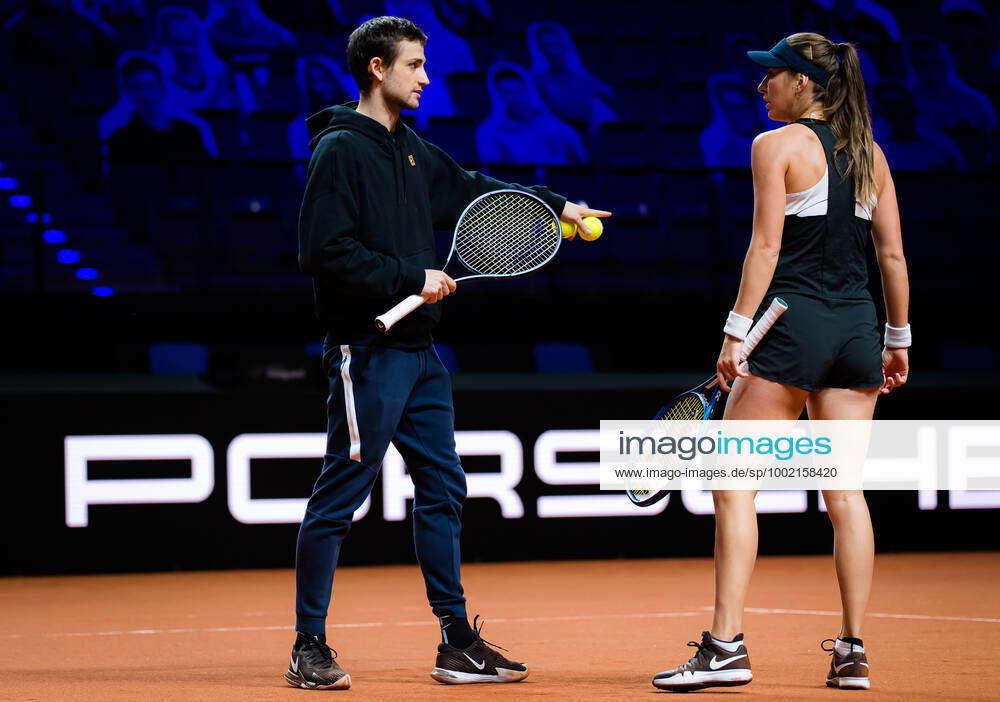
x=737 y=325
x=897 y=337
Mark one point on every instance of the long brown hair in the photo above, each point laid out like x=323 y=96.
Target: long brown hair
x=846 y=105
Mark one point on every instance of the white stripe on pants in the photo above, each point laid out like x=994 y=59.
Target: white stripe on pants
x=352 y=416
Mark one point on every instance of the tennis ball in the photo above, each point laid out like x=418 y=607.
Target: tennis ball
x=568 y=230
x=595 y=227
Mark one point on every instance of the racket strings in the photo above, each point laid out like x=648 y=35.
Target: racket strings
x=507 y=234
x=689 y=407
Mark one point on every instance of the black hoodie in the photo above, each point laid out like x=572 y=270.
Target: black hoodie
x=366 y=230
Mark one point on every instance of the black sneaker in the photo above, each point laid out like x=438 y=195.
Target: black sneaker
x=314 y=666
x=848 y=671
x=711 y=666
x=476 y=664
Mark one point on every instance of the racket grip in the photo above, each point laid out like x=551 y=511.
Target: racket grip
x=385 y=322
x=770 y=316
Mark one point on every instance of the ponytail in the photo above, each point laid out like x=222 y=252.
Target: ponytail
x=845 y=101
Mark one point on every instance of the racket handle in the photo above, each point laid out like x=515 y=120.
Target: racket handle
x=766 y=321
x=777 y=308
x=385 y=322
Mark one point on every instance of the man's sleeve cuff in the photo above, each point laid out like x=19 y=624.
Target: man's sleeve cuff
x=556 y=202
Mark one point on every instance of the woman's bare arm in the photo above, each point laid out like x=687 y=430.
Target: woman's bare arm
x=888 y=237
x=769 y=161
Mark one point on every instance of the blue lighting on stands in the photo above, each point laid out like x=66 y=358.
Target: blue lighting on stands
x=8 y=183
x=68 y=256
x=31 y=217
x=46 y=218
x=86 y=273
x=103 y=291
x=20 y=200
x=54 y=236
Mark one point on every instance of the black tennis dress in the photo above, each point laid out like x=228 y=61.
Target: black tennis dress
x=828 y=337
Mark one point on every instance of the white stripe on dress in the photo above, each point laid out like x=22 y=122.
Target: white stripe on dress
x=352 y=416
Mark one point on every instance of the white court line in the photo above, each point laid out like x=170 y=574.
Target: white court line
x=877 y=615
x=570 y=618
x=423 y=622
x=567 y=618
x=210 y=630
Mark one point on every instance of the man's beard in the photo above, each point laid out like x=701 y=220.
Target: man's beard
x=410 y=102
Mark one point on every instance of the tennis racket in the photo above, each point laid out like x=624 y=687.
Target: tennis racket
x=701 y=402
x=501 y=234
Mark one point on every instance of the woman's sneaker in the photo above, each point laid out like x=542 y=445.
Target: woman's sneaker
x=711 y=666
x=848 y=664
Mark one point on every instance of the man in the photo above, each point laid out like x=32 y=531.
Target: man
x=375 y=192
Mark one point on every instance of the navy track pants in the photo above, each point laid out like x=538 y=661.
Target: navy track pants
x=380 y=395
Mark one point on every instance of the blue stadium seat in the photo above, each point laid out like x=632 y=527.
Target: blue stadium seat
x=267 y=183
x=267 y=136
x=622 y=144
x=524 y=175
x=688 y=198
x=687 y=106
x=469 y=95
x=643 y=102
x=574 y=182
x=563 y=358
x=173 y=359
x=456 y=136
x=678 y=147
x=628 y=193
x=690 y=244
x=636 y=241
x=690 y=58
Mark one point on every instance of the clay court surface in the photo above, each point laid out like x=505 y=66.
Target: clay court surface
x=590 y=630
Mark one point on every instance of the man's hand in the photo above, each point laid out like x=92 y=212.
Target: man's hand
x=895 y=369
x=729 y=366
x=437 y=284
x=574 y=213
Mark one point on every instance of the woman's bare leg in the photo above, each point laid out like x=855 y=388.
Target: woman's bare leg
x=853 y=540
x=735 y=514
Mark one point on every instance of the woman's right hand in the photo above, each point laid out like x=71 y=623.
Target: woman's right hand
x=895 y=369
x=730 y=365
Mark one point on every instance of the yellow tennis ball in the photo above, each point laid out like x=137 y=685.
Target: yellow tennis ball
x=595 y=227
x=568 y=230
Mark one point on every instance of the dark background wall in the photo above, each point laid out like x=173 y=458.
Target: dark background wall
x=206 y=534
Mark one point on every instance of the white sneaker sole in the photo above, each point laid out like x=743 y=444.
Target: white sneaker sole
x=343 y=684
x=696 y=679
x=849 y=683
x=453 y=677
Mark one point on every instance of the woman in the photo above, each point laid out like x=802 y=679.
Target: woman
x=821 y=186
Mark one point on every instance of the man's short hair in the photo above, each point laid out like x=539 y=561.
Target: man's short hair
x=379 y=36
x=138 y=64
